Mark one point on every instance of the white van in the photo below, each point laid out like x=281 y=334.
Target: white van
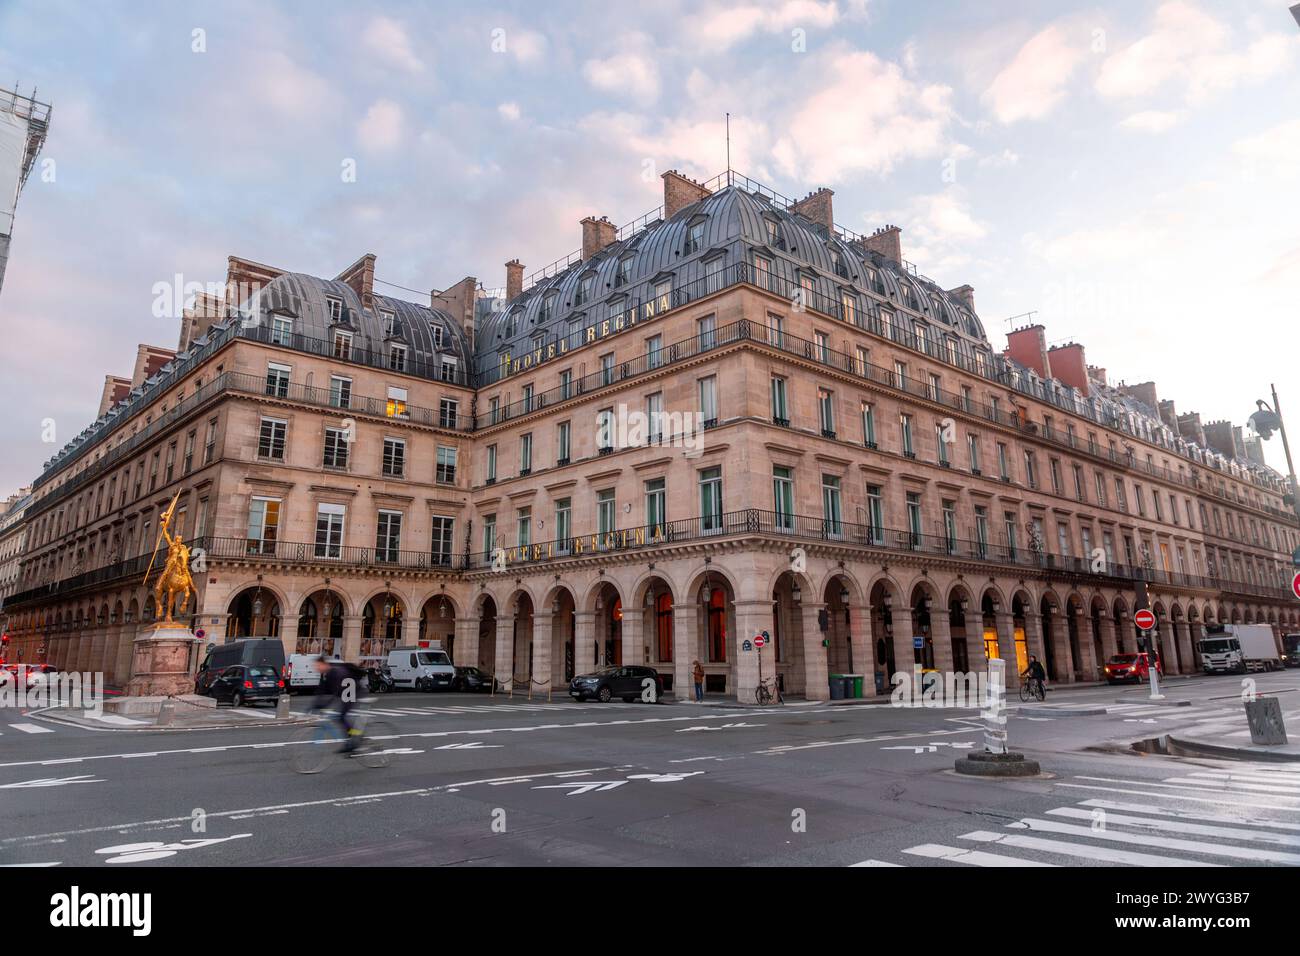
x=421 y=668
x=302 y=671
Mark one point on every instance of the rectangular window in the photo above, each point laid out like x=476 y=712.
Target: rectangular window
x=491 y=474
x=394 y=458
x=868 y=425
x=563 y=524
x=605 y=431
x=973 y=452
x=832 y=507
x=935 y=388
x=209 y=448
x=445 y=466
x=941 y=446
x=342 y=345
x=281 y=329
x=1031 y=470
x=706 y=328
x=950 y=525
x=397 y=357
x=524 y=528
x=654 y=350
x=270 y=440
x=605 y=518
x=526 y=453
x=340 y=391
x=982 y=530
x=263 y=525
x=562 y=440
x=1003 y=469
x=875 y=515
x=441 y=539
x=607 y=368
x=388 y=535
x=329 y=531
x=783 y=497
x=188 y=458
x=277 y=380
x=1054 y=466
x=1063 y=540
x=396 y=407
x=448 y=413
x=335 y=309
x=822 y=347
x=905 y=433
x=654 y=413
x=711 y=500
x=336 y=448
x=776 y=330
x=826 y=412
x=780 y=410
x=489 y=534
x=708 y=389
x=914 y=518
x=656 y=504
x=566 y=383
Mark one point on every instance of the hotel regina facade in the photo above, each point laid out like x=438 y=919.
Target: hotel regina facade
x=837 y=457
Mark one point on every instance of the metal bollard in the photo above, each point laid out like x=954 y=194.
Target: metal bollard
x=282 y=706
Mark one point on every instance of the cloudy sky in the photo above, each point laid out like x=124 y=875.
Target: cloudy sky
x=1129 y=172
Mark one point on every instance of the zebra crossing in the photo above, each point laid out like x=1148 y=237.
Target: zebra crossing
x=461 y=710
x=1198 y=818
x=1148 y=713
x=25 y=728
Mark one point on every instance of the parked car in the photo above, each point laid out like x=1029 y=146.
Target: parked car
x=244 y=684
x=26 y=676
x=418 y=668
x=248 y=651
x=607 y=683
x=1131 y=667
x=1291 y=650
x=471 y=679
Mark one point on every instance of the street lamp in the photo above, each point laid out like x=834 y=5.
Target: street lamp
x=1267 y=420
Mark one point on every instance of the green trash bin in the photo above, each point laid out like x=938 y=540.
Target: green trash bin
x=857 y=685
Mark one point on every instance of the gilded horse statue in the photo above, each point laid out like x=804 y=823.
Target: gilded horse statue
x=175 y=577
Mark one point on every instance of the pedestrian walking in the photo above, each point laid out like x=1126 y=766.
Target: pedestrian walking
x=698 y=676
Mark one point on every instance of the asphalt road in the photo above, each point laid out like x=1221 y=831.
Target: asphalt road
x=474 y=781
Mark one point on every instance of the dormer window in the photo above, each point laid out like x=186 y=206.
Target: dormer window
x=547 y=311
x=335 y=308
x=694 y=237
x=389 y=321
x=774 y=234
x=624 y=273
x=397 y=358
x=583 y=293
x=342 y=344
x=437 y=335
x=841 y=269
x=512 y=323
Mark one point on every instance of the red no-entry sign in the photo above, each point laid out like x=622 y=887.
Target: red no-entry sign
x=1295 y=584
x=759 y=641
x=1144 y=619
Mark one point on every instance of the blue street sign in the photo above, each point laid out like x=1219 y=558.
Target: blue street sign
x=918 y=643
x=747 y=646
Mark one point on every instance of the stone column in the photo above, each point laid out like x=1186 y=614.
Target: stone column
x=411 y=629
x=1168 y=647
x=1060 y=638
x=584 y=641
x=543 y=632
x=686 y=648
x=1006 y=624
x=816 y=675
x=289 y=634
x=351 y=637
x=1195 y=633
x=633 y=645
x=505 y=650
x=941 y=639
x=1109 y=648
x=864 y=651
x=1186 y=659
x=751 y=618
x=975 y=648
x=465 y=653
x=1087 y=647
x=904 y=653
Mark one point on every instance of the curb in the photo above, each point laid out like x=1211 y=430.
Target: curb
x=1080 y=711
x=54 y=718
x=1155 y=703
x=1194 y=748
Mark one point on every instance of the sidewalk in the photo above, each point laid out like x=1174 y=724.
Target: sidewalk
x=187 y=717
x=1231 y=738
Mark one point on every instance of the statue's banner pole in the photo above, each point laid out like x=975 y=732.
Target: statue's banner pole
x=162 y=525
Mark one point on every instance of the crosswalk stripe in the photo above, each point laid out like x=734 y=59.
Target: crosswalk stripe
x=32 y=728
x=1166 y=843
x=1184 y=814
x=1233 y=785
x=1181 y=796
x=1250 y=777
x=953 y=854
x=1186 y=784
x=875 y=863
x=1103 y=854
x=1173 y=826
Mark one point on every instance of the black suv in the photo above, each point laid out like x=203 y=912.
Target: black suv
x=629 y=683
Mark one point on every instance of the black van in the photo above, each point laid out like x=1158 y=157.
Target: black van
x=249 y=651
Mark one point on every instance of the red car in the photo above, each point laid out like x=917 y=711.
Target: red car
x=1131 y=667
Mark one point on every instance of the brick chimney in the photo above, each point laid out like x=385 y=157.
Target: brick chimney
x=965 y=295
x=817 y=207
x=360 y=278
x=514 y=278
x=1066 y=363
x=1144 y=392
x=458 y=302
x=596 y=235
x=680 y=192
x=115 y=389
x=1189 y=426
x=1167 y=413
x=1223 y=438
x=887 y=240
x=1028 y=346
x=1097 y=374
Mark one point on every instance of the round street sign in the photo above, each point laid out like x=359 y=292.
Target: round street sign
x=759 y=641
x=200 y=634
x=1295 y=584
x=1144 y=619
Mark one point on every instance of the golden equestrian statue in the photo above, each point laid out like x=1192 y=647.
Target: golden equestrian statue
x=175 y=576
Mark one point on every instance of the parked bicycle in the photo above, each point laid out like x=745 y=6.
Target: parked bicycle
x=765 y=695
x=315 y=746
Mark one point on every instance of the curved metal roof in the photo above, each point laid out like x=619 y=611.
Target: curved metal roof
x=735 y=223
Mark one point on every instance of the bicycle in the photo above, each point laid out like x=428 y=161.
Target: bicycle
x=1032 y=689
x=313 y=747
x=763 y=694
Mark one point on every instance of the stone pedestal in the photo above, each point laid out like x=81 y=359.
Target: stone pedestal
x=160 y=661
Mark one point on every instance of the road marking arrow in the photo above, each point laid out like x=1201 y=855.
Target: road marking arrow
x=581 y=788
x=687 y=730
x=472 y=745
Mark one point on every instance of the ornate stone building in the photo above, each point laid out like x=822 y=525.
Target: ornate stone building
x=729 y=417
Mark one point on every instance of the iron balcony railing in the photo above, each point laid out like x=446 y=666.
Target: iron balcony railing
x=325 y=398
x=746 y=522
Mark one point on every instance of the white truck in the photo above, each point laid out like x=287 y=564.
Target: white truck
x=302 y=671
x=1238 y=648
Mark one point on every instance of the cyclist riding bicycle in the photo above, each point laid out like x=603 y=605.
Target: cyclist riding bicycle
x=339 y=683
x=1035 y=672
